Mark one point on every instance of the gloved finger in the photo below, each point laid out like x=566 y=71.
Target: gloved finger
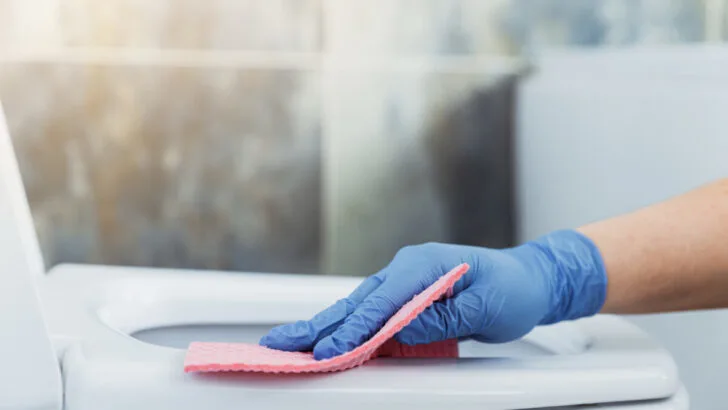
x=455 y=318
x=373 y=312
x=304 y=334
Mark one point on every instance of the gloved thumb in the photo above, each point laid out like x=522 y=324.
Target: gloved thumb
x=457 y=317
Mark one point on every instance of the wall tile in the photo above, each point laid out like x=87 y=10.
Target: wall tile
x=412 y=157
x=464 y=27
x=29 y=23
x=170 y=166
x=429 y=27
x=535 y=24
x=270 y=25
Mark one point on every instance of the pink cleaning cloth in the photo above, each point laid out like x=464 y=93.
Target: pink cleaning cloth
x=444 y=349
x=215 y=357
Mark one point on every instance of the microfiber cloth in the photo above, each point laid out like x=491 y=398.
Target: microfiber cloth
x=214 y=357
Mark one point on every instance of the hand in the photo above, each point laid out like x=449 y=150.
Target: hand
x=505 y=295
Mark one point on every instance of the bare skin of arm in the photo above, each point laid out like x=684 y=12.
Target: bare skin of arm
x=671 y=256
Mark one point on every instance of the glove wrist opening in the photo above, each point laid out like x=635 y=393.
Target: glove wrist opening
x=577 y=279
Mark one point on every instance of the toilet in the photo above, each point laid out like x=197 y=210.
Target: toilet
x=105 y=338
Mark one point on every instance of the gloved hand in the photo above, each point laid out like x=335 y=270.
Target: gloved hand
x=506 y=293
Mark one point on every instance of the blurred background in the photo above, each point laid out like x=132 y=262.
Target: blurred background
x=320 y=136
x=310 y=136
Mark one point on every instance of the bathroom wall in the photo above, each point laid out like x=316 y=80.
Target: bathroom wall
x=282 y=135
x=143 y=141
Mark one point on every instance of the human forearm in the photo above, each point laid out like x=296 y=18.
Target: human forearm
x=670 y=256
x=667 y=257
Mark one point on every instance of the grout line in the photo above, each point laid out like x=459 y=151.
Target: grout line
x=265 y=59
x=190 y=58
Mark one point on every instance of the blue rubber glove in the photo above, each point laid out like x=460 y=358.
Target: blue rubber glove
x=505 y=294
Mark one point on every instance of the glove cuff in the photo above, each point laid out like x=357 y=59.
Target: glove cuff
x=578 y=282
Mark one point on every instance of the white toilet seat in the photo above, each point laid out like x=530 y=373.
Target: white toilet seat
x=101 y=362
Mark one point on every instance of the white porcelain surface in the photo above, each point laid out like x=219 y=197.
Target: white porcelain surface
x=603 y=359
x=679 y=401
x=29 y=374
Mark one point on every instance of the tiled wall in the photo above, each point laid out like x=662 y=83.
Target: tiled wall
x=204 y=166
x=281 y=135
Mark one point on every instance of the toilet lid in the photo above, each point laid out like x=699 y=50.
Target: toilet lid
x=29 y=371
